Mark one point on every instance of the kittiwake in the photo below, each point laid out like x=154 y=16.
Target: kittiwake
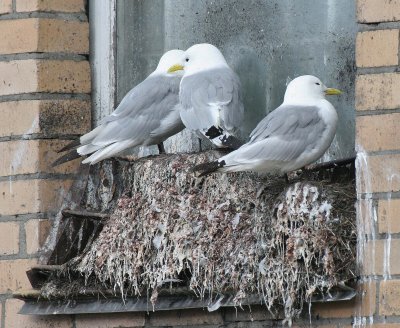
x=210 y=96
x=147 y=115
x=295 y=134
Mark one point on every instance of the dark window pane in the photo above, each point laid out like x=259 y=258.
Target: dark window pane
x=267 y=42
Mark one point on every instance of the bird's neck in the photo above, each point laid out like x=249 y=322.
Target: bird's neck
x=199 y=68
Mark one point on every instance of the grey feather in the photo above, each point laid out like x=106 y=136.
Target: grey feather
x=282 y=136
x=211 y=97
x=147 y=115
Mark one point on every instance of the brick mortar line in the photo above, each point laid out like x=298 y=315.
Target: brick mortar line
x=361 y=71
x=372 y=112
x=363 y=27
x=38 y=176
x=377 y=305
x=39 y=136
x=44 y=56
x=12 y=257
x=79 y=17
x=381 y=195
x=45 y=96
x=382 y=236
x=22 y=251
x=3 y=313
x=383 y=152
x=23 y=217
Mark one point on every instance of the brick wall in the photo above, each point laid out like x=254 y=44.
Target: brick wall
x=378 y=164
x=44 y=101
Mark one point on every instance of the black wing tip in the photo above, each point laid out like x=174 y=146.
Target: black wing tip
x=208 y=168
x=231 y=142
x=71 y=145
x=66 y=158
x=214 y=132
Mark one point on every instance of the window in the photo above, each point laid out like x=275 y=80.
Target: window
x=266 y=42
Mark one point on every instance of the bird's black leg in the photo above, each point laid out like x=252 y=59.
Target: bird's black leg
x=286 y=178
x=200 y=148
x=161 y=149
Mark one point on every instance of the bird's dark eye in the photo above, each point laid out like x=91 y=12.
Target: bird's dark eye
x=317 y=83
x=187 y=59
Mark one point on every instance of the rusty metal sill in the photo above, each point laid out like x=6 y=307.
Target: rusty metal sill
x=33 y=306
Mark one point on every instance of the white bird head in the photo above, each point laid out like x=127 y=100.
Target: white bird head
x=200 y=57
x=167 y=60
x=307 y=89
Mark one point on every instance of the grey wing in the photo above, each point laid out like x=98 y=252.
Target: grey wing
x=211 y=98
x=284 y=134
x=141 y=111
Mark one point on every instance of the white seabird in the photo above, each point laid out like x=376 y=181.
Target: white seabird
x=147 y=115
x=295 y=134
x=210 y=95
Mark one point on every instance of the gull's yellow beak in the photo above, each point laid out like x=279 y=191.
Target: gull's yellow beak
x=332 y=92
x=175 y=68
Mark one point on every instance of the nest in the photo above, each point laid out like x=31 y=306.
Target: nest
x=235 y=234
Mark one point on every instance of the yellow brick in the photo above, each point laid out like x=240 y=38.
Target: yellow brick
x=185 y=318
x=19 y=117
x=25 y=76
x=380 y=174
x=377 y=48
x=365 y=211
x=36 y=232
x=32 y=156
x=31 y=196
x=5 y=6
x=15 y=320
x=373 y=11
x=44 y=35
x=378 y=91
x=63 y=36
x=24 y=36
x=382 y=257
x=47 y=154
x=366 y=299
x=51 y=5
x=120 y=320
x=13 y=275
x=49 y=117
x=63 y=76
x=18 y=77
x=19 y=157
x=389 y=297
x=9 y=238
x=378 y=132
x=389 y=216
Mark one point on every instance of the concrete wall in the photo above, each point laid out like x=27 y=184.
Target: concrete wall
x=44 y=101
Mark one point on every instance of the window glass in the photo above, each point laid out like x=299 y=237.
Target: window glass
x=267 y=42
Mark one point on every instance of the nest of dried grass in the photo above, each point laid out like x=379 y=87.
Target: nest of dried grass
x=236 y=234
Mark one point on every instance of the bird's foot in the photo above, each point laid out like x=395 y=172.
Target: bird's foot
x=161 y=149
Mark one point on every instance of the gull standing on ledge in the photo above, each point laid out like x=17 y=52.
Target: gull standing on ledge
x=210 y=96
x=147 y=115
x=295 y=134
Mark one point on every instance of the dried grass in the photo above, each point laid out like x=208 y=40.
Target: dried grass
x=231 y=234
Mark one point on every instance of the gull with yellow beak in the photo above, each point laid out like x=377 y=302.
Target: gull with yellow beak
x=210 y=96
x=295 y=134
x=147 y=115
